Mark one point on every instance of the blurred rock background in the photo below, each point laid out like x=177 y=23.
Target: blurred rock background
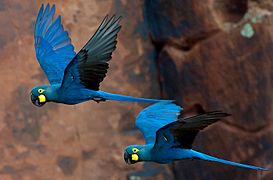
x=211 y=54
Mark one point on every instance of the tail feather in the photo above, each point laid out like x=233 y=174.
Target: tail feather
x=118 y=97
x=206 y=157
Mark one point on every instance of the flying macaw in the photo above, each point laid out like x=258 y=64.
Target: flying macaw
x=74 y=78
x=169 y=139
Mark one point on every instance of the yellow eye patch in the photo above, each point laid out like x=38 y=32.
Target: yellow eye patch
x=41 y=91
x=134 y=157
x=135 y=150
x=42 y=98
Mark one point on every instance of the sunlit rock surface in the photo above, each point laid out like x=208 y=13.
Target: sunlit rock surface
x=229 y=69
x=198 y=53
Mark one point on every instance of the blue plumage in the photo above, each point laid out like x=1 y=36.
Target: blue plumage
x=74 y=78
x=169 y=138
x=52 y=44
x=156 y=116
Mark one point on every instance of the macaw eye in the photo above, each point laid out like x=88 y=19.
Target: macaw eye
x=135 y=150
x=40 y=91
x=165 y=138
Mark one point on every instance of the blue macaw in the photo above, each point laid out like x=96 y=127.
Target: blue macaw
x=74 y=78
x=169 y=139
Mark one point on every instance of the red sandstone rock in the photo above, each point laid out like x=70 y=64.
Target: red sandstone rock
x=191 y=51
x=85 y=141
x=231 y=72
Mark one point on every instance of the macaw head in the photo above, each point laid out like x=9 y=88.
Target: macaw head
x=39 y=95
x=134 y=154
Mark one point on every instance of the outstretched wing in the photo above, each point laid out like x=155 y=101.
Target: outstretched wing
x=182 y=132
x=52 y=44
x=156 y=116
x=90 y=65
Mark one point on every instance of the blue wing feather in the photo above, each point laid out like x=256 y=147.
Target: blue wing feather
x=181 y=133
x=53 y=46
x=156 y=116
x=89 y=67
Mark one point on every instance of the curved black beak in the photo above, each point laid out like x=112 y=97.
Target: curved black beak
x=127 y=158
x=35 y=101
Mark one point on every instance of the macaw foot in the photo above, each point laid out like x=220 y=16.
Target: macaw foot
x=98 y=99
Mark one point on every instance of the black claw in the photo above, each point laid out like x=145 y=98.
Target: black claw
x=98 y=99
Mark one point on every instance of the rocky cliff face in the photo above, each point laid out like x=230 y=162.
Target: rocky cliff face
x=206 y=55
x=218 y=55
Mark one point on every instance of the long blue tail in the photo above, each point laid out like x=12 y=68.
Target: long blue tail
x=211 y=158
x=118 y=97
